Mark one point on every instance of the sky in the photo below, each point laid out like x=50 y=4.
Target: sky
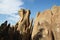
x=9 y=8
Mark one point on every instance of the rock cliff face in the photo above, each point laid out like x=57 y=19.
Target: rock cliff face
x=49 y=20
x=46 y=26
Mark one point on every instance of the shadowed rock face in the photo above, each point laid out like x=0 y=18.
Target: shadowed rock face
x=46 y=26
x=9 y=33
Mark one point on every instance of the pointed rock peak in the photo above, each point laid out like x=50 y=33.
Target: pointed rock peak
x=21 y=13
x=28 y=11
x=5 y=22
x=38 y=14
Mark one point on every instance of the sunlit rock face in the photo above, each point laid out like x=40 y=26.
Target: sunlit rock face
x=49 y=20
x=25 y=21
x=25 y=24
x=56 y=21
x=42 y=21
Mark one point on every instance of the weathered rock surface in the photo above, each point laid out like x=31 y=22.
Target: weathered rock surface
x=50 y=21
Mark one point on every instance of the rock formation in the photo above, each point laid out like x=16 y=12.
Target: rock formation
x=25 y=21
x=48 y=20
x=41 y=22
x=45 y=27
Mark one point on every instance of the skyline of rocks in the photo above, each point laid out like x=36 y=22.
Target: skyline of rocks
x=46 y=26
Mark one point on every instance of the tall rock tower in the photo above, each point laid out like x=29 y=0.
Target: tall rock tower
x=24 y=22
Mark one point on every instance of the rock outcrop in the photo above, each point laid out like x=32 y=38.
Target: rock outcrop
x=50 y=21
x=25 y=21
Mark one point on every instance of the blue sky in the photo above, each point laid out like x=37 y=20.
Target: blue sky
x=9 y=8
